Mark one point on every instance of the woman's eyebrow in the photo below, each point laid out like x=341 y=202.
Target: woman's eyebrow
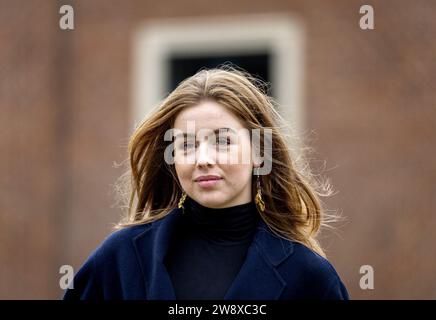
x=216 y=131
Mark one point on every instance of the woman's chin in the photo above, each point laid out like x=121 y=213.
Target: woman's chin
x=211 y=202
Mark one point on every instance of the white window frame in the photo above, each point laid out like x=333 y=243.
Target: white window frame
x=282 y=36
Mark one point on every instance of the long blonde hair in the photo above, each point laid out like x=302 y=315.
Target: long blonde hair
x=150 y=189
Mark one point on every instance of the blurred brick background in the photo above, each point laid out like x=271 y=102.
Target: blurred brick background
x=65 y=109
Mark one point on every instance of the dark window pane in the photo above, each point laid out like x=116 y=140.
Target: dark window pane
x=182 y=67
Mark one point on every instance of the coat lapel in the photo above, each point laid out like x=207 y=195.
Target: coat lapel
x=257 y=279
x=151 y=247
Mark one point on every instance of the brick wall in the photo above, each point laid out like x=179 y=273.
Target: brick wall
x=65 y=108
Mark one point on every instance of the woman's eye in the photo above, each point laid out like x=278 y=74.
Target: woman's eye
x=224 y=141
x=187 y=145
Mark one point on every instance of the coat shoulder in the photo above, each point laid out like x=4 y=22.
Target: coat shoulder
x=120 y=242
x=313 y=274
x=103 y=265
x=313 y=263
x=123 y=236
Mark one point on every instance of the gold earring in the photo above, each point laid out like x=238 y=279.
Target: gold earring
x=182 y=200
x=258 y=198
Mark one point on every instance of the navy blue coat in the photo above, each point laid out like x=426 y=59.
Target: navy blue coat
x=129 y=265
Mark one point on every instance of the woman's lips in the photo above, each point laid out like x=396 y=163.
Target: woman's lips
x=209 y=183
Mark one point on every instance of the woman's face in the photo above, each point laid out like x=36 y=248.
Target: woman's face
x=224 y=154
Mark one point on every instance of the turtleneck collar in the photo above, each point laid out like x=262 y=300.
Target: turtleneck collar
x=224 y=226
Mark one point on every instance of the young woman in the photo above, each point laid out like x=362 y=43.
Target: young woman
x=213 y=213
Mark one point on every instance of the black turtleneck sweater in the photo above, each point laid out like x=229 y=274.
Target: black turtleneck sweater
x=209 y=249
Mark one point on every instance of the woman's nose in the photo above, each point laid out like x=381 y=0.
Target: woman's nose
x=206 y=154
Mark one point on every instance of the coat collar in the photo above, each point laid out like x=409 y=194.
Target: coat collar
x=257 y=279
